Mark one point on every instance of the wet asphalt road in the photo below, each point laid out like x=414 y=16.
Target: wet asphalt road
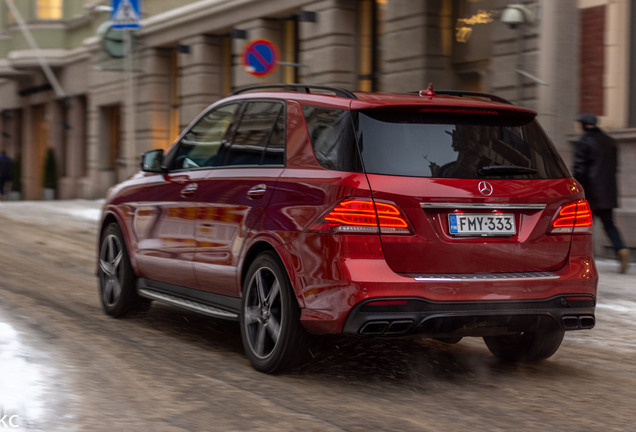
x=65 y=366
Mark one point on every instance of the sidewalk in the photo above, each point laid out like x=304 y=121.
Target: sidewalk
x=609 y=277
x=55 y=211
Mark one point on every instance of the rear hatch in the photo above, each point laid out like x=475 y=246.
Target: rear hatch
x=479 y=188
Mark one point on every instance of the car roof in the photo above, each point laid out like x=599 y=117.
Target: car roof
x=336 y=97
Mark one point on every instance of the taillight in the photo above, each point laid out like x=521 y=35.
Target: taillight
x=573 y=218
x=361 y=215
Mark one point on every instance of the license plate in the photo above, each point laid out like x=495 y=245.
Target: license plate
x=484 y=225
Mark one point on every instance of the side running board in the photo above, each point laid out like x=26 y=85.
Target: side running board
x=187 y=304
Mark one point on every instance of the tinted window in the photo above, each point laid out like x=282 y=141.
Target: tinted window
x=203 y=143
x=456 y=146
x=332 y=138
x=275 y=150
x=260 y=135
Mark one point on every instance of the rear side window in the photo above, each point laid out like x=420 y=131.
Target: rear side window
x=456 y=146
x=260 y=135
x=332 y=138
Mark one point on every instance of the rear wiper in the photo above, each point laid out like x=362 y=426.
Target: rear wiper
x=505 y=170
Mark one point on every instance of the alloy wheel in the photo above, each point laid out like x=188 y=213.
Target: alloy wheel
x=110 y=261
x=263 y=312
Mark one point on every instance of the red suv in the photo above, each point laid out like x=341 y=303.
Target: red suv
x=298 y=210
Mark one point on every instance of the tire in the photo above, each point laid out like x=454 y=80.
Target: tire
x=273 y=338
x=117 y=279
x=525 y=347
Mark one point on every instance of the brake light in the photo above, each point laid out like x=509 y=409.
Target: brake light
x=442 y=110
x=360 y=215
x=573 y=218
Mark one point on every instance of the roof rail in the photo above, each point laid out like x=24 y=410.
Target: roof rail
x=462 y=93
x=301 y=88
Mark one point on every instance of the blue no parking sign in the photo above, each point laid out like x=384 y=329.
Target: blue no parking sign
x=260 y=57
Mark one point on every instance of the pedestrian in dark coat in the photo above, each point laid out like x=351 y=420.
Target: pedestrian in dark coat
x=595 y=167
x=6 y=173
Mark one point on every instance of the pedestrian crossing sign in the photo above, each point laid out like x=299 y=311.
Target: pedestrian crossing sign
x=126 y=14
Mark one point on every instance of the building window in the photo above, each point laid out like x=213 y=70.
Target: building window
x=370 y=28
x=290 y=50
x=112 y=134
x=227 y=64
x=49 y=9
x=175 y=99
x=592 y=58
x=366 y=44
x=632 y=66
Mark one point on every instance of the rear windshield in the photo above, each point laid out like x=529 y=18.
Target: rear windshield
x=417 y=144
x=456 y=146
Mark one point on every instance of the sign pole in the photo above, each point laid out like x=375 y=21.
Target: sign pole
x=129 y=88
x=126 y=15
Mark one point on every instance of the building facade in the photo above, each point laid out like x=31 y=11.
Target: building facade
x=70 y=83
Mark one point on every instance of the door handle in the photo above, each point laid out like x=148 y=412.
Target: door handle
x=189 y=190
x=257 y=191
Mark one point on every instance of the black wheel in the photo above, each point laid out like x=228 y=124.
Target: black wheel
x=273 y=338
x=117 y=280
x=525 y=347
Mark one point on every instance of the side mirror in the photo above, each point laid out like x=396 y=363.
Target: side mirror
x=152 y=161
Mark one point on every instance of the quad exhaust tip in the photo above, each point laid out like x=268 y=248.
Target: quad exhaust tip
x=573 y=322
x=386 y=327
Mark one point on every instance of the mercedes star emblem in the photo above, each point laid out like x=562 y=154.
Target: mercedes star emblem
x=485 y=188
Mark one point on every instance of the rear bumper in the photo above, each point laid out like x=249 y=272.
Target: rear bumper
x=441 y=305
x=401 y=316
x=338 y=289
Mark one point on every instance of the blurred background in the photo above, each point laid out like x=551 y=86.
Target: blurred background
x=86 y=86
